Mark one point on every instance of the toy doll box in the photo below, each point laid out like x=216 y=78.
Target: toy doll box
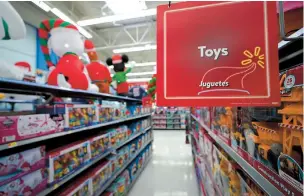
x=106 y=111
x=14 y=128
x=17 y=165
x=80 y=186
x=66 y=160
x=100 y=175
x=30 y=184
x=80 y=115
x=100 y=144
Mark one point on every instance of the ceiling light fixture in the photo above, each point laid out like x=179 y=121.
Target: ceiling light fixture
x=119 y=7
x=135 y=49
x=119 y=17
x=42 y=5
x=64 y=17
x=139 y=80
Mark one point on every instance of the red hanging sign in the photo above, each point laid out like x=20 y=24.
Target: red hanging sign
x=217 y=54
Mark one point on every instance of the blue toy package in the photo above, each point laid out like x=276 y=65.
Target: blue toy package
x=133 y=170
x=113 y=163
x=134 y=110
x=139 y=142
x=135 y=127
x=133 y=148
x=106 y=112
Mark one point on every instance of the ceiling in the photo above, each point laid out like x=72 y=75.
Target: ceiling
x=106 y=36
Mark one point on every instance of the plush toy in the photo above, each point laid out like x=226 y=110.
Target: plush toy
x=120 y=76
x=67 y=43
x=98 y=72
x=152 y=87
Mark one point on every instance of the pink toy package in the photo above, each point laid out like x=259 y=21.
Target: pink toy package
x=31 y=184
x=17 y=165
x=14 y=128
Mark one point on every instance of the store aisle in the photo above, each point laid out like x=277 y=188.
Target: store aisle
x=170 y=172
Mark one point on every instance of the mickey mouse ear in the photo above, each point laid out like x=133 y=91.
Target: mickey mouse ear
x=125 y=58
x=109 y=61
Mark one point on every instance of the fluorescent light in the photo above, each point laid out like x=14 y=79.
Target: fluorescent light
x=42 y=5
x=141 y=64
x=64 y=17
x=140 y=73
x=135 y=49
x=115 y=18
x=139 y=80
x=119 y=7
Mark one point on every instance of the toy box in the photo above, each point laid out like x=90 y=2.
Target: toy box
x=140 y=161
x=133 y=148
x=118 y=110
x=113 y=163
x=221 y=168
x=118 y=187
x=113 y=137
x=122 y=156
x=65 y=160
x=223 y=122
x=80 y=115
x=99 y=144
x=100 y=175
x=248 y=187
x=121 y=134
x=136 y=127
x=17 y=165
x=30 y=184
x=81 y=186
x=133 y=170
x=145 y=123
x=14 y=128
x=139 y=143
x=106 y=112
x=126 y=175
x=134 y=110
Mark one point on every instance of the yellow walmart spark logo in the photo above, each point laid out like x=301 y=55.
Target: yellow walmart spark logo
x=256 y=57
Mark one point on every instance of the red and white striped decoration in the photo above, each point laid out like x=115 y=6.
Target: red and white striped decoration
x=298 y=127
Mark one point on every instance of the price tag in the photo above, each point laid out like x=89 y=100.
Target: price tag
x=55 y=186
x=12 y=144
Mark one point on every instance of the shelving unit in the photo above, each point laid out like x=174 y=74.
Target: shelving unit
x=50 y=92
x=46 y=137
x=267 y=186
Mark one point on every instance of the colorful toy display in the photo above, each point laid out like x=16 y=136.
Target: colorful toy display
x=99 y=144
x=17 y=165
x=77 y=116
x=14 y=128
x=67 y=43
x=99 y=73
x=100 y=175
x=106 y=111
x=223 y=122
x=65 y=160
x=30 y=184
x=120 y=76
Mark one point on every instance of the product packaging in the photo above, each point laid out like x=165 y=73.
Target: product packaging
x=100 y=175
x=106 y=111
x=15 y=128
x=80 y=186
x=80 y=115
x=99 y=144
x=17 y=165
x=65 y=160
x=30 y=184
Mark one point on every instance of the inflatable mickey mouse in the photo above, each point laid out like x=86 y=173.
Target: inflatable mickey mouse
x=120 y=76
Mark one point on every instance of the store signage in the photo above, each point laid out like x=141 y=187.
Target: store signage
x=217 y=54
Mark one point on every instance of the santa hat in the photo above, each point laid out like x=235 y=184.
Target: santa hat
x=43 y=32
x=24 y=65
x=116 y=59
x=91 y=51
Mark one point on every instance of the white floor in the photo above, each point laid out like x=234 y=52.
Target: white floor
x=170 y=171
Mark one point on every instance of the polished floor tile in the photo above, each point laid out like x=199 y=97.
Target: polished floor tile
x=170 y=172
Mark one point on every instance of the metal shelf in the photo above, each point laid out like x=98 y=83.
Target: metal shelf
x=46 y=137
x=30 y=88
x=133 y=137
x=296 y=34
x=71 y=176
x=111 y=180
x=137 y=176
x=68 y=178
x=269 y=188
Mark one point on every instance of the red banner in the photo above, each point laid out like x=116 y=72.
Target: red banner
x=217 y=54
